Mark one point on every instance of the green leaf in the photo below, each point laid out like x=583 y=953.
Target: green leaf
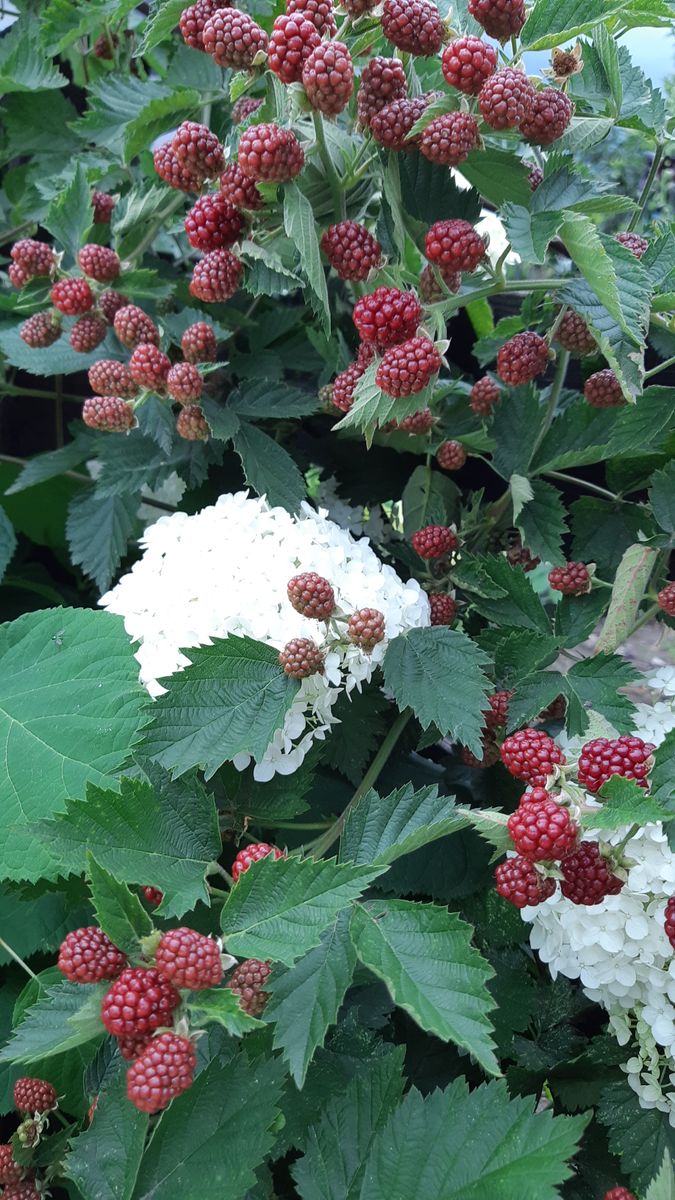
x=662 y=497
x=222 y=421
x=60 y=728
x=67 y=1015
x=461 y=1145
x=515 y=428
x=603 y=531
x=607 y=52
x=53 y=463
x=7 y=542
x=423 y=953
x=268 y=468
x=103 y=1161
x=542 y=522
x=587 y=250
x=491 y=825
x=338 y=1145
x=518 y=652
x=639 y=1136
x=301 y=229
x=429 y=498
x=230 y=701
x=624 y=803
x=662 y=1186
x=497 y=175
x=305 y=1000
x=438 y=673
x=519 y=606
x=119 y=913
x=262 y=400
x=593 y=683
x=530 y=232
x=381 y=829
x=220 y=1006
x=533 y=694
x=429 y=192
x=372 y=408
x=663 y=772
x=69 y=215
x=40 y=922
x=209 y=1143
x=361 y=726
x=159 y=831
x=280 y=907
x=98 y=530
x=163 y=19
x=628 y=590
x=24 y=66
x=156 y=117
x=549 y=19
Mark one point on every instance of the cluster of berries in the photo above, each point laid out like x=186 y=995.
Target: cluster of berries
x=546 y=838
x=314 y=598
x=34 y=1100
x=86 y=297
x=120 y=387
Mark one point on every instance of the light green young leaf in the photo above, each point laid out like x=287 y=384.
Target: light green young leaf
x=549 y=20
x=24 y=66
x=381 y=829
x=301 y=229
x=103 y=1160
x=68 y=1015
x=662 y=1186
x=163 y=18
x=606 y=47
x=624 y=803
x=521 y=493
x=220 y=1006
x=119 y=913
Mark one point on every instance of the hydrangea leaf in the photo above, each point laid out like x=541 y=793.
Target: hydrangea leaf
x=103 y=1160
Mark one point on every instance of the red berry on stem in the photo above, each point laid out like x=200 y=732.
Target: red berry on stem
x=189 y=959
x=603 y=390
x=521 y=556
x=244 y=107
x=88 y=956
x=587 y=876
x=344 y=384
x=174 y=172
x=111 y=414
x=153 y=896
x=139 y=1002
x=17 y=276
x=233 y=39
x=25 y=1189
x=239 y=190
x=450 y=138
x=451 y=456
x=191 y=424
x=506 y=98
x=633 y=242
x=199 y=343
x=110 y=378
x=99 y=263
x=382 y=81
x=41 y=330
x=213 y=223
x=434 y=541
x=319 y=12
x=548 y=117
x=669 y=921
x=10 y=1170
x=387 y=316
x=431 y=290
x=531 y=755
x=391 y=125
x=351 y=250
x=165 y=1069
x=454 y=245
x=291 y=41
x=301 y=658
x=519 y=882
x=193 y=19
x=497 y=713
x=574 y=335
x=247 y=982
x=407 y=368
x=541 y=829
x=184 y=383
x=467 y=62
x=198 y=148
x=110 y=302
x=601 y=758
x=365 y=628
x=499 y=18
x=535 y=178
x=251 y=854
x=666 y=599
x=311 y=595
x=489 y=757
x=134 y=328
x=443 y=608
x=484 y=395
x=419 y=422
x=572 y=580
x=87 y=333
x=414 y=26
x=36 y=258
x=522 y=358
x=150 y=367
x=72 y=297
x=34 y=1095
x=270 y=154
x=619 y=1193
x=216 y=277
x=328 y=77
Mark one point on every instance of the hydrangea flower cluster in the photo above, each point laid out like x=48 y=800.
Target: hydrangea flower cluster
x=225 y=570
x=618 y=949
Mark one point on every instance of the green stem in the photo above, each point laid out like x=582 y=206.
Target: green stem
x=331 y=835
x=619 y=849
x=556 y=388
x=644 y=194
x=298 y=824
x=10 y=389
x=511 y=286
x=155 y=226
x=13 y=954
x=584 y=483
x=647 y=615
x=556 y=324
x=216 y=869
x=331 y=174
x=669 y=362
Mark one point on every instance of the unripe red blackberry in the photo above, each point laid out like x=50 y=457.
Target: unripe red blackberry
x=131 y=1047
x=24 y=1190
x=270 y=154
x=431 y=290
x=233 y=39
x=499 y=18
x=522 y=358
x=392 y=124
x=110 y=378
x=34 y=1095
x=489 y=756
x=603 y=390
x=587 y=876
x=41 y=330
x=434 y=541
x=88 y=956
x=454 y=245
x=216 y=278
x=291 y=41
x=666 y=599
x=467 y=62
x=484 y=395
x=191 y=424
x=110 y=303
x=531 y=755
x=521 y=556
x=548 y=117
x=319 y=12
x=174 y=172
x=343 y=387
x=519 y=882
x=244 y=107
x=357 y=8
x=99 y=263
x=668 y=923
x=111 y=414
x=138 y=1002
x=184 y=383
x=555 y=711
x=10 y=1170
x=419 y=422
x=253 y=853
x=413 y=25
x=199 y=343
x=87 y=333
x=572 y=580
x=150 y=367
x=18 y=276
x=152 y=896
x=407 y=368
x=506 y=99
x=535 y=177
x=365 y=628
x=193 y=19
x=387 y=316
x=619 y=1193
x=633 y=242
x=72 y=297
x=496 y=715
x=213 y=223
x=134 y=328
x=196 y=146
x=443 y=608
x=602 y=758
x=382 y=80
x=574 y=335
x=351 y=250
x=541 y=829
x=328 y=77
x=311 y=595
x=450 y=138
x=451 y=456
x=164 y=1070
x=239 y=190
x=300 y=658
x=189 y=959
x=36 y=258
x=247 y=982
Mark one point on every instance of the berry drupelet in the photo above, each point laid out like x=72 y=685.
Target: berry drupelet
x=251 y=854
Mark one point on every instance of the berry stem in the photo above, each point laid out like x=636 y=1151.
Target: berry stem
x=214 y=868
x=556 y=324
x=155 y=226
x=644 y=194
x=585 y=483
x=13 y=954
x=323 y=843
x=661 y=367
x=511 y=286
x=646 y=616
x=336 y=192
x=556 y=388
x=619 y=849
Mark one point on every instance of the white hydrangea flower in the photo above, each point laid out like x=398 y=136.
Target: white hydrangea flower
x=618 y=949
x=225 y=571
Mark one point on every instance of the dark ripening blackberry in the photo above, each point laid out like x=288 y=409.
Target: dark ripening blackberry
x=328 y=77
x=270 y=154
x=382 y=80
x=407 y=368
x=414 y=26
x=467 y=62
x=351 y=250
x=454 y=245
